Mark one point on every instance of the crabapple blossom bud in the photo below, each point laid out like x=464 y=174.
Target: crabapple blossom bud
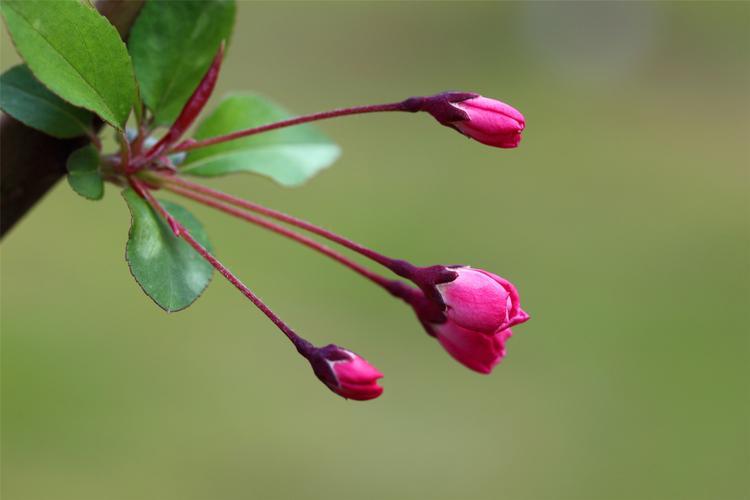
x=490 y=122
x=345 y=373
x=480 y=301
x=478 y=350
x=483 y=119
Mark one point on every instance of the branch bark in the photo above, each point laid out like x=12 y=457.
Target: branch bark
x=32 y=162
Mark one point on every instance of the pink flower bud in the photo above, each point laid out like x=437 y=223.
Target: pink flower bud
x=477 y=351
x=481 y=302
x=346 y=373
x=490 y=122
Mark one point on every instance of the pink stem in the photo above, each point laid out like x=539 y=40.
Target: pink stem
x=393 y=286
x=356 y=110
x=302 y=345
x=402 y=268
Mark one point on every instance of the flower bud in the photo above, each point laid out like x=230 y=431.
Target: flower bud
x=490 y=122
x=481 y=302
x=485 y=120
x=345 y=373
x=477 y=351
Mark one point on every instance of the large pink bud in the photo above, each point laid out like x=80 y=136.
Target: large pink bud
x=481 y=302
x=346 y=373
x=490 y=122
x=477 y=351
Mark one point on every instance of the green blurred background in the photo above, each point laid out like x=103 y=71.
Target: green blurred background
x=622 y=218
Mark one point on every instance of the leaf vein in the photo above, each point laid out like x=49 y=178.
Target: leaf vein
x=77 y=71
x=52 y=104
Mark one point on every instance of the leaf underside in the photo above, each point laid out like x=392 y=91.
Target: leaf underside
x=83 y=173
x=168 y=270
x=289 y=156
x=24 y=98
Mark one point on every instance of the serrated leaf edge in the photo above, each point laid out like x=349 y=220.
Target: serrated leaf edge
x=130 y=268
x=98 y=94
x=85 y=127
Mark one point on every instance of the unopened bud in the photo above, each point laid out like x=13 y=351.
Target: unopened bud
x=345 y=373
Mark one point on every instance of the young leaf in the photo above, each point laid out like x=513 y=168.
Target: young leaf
x=24 y=98
x=164 y=265
x=76 y=53
x=172 y=45
x=289 y=156
x=83 y=173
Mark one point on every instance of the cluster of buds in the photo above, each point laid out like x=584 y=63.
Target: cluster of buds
x=469 y=311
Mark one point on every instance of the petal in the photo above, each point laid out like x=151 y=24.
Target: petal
x=356 y=371
x=521 y=317
x=359 y=392
x=475 y=350
x=506 y=140
x=487 y=104
x=505 y=334
x=475 y=301
x=515 y=299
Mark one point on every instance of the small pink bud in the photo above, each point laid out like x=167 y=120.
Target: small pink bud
x=490 y=122
x=486 y=120
x=481 y=302
x=477 y=351
x=346 y=373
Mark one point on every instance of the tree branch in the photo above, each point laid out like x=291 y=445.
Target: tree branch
x=33 y=162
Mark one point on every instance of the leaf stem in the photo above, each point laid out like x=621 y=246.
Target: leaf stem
x=303 y=346
x=356 y=110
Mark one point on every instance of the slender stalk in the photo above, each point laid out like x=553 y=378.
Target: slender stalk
x=356 y=110
x=94 y=139
x=302 y=345
x=124 y=151
x=394 y=287
x=192 y=107
x=400 y=267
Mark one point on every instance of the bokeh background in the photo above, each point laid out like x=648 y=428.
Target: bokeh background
x=623 y=219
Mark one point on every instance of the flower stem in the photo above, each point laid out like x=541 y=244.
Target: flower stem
x=303 y=346
x=394 y=287
x=400 y=267
x=356 y=110
x=192 y=108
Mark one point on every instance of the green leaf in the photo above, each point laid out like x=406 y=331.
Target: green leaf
x=289 y=156
x=172 y=45
x=83 y=173
x=24 y=98
x=168 y=269
x=76 y=53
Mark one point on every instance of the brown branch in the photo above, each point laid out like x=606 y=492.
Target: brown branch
x=32 y=162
